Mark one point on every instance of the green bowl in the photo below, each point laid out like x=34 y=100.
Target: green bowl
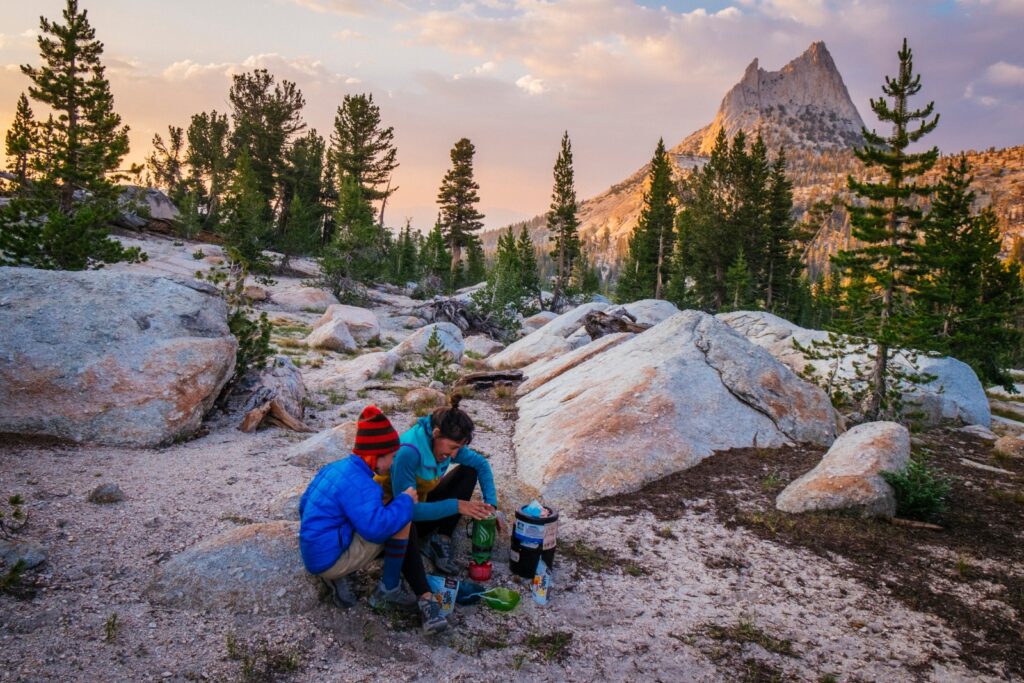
x=501 y=599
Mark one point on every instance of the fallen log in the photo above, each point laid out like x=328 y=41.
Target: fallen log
x=600 y=323
x=488 y=378
x=914 y=524
x=460 y=315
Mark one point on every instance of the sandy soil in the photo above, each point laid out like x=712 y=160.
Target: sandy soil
x=691 y=598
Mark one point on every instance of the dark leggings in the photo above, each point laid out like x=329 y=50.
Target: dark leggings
x=457 y=483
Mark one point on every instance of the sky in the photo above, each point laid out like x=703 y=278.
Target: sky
x=512 y=75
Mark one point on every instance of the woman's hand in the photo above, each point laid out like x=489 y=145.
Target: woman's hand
x=475 y=509
x=411 y=492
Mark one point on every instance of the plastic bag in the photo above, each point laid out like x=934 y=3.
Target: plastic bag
x=541 y=583
x=445 y=590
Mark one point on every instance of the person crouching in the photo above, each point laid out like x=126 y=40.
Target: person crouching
x=345 y=524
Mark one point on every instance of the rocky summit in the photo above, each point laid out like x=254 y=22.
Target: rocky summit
x=804 y=104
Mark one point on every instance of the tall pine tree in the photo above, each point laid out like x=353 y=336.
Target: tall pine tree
x=21 y=143
x=562 y=222
x=645 y=273
x=364 y=150
x=966 y=305
x=209 y=161
x=458 y=198
x=882 y=272
x=63 y=225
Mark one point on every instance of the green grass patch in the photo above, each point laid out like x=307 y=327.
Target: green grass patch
x=746 y=631
x=552 y=647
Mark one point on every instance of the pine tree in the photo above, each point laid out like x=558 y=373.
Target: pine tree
x=302 y=189
x=562 y=222
x=458 y=198
x=645 y=273
x=738 y=282
x=63 y=225
x=22 y=141
x=166 y=162
x=245 y=226
x=405 y=259
x=362 y=149
x=965 y=306
x=882 y=272
x=528 y=273
x=476 y=264
x=209 y=161
x=266 y=116
x=435 y=259
x=782 y=267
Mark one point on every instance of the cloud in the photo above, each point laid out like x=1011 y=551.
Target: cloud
x=349 y=34
x=532 y=85
x=1005 y=74
x=1006 y=7
x=350 y=7
x=807 y=12
x=293 y=69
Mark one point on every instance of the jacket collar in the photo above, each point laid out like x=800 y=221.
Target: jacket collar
x=426 y=446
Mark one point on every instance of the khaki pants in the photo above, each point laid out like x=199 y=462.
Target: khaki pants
x=357 y=556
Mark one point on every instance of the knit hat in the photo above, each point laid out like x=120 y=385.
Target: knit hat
x=375 y=436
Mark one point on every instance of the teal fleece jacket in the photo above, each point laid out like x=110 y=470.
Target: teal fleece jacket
x=415 y=461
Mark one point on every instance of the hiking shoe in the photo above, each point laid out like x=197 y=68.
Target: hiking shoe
x=340 y=591
x=432 y=619
x=439 y=551
x=382 y=597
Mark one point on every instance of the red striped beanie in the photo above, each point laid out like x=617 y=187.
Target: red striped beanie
x=374 y=436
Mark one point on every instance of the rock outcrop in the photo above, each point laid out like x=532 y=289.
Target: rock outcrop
x=805 y=105
x=954 y=395
x=304 y=299
x=482 y=346
x=659 y=403
x=538 y=320
x=324 y=447
x=361 y=323
x=253 y=569
x=848 y=477
x=109 y=357
x=559 y=336
x=332 y=335
x=543 y=371
x=448 y=334
x=356 y=373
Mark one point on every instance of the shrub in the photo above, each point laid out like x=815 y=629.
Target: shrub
x=921 y=493
x=436 y=361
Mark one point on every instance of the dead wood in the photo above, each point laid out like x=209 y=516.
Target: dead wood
x=600 y=323
x=488 y=378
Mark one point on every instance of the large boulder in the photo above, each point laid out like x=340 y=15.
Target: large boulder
x=361 y=323
x=358 y=372
x=285 y=505
x=954 y=395
x=252 y=569
x=530 y=349
x=659 y=403
x=324 y=447
x=651 y=311
x=140 y=206
x=449 y=335
x=482 y=346
x=559 y=336
x=538 y=320
x=424 y=398
x=307 y=299
x=848 y=477
x=109 y=357
x=333 y=335
x=543 y=371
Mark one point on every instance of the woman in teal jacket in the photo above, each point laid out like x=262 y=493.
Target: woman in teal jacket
x=427 y=450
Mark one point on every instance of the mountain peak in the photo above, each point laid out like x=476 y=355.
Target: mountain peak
x=805 y=104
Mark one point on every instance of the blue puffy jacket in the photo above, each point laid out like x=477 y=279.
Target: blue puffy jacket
x=342 y=500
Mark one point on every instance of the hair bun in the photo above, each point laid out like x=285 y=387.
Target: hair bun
x=455 y=400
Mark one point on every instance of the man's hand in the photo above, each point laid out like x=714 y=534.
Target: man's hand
x=475 y=509
x=411 y=492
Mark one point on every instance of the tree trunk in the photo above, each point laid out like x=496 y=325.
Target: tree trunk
x=661 y=260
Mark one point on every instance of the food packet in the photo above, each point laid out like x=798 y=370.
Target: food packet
x=541 y=583
x=445 y=590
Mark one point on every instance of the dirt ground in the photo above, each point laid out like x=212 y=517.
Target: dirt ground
x=695 y=578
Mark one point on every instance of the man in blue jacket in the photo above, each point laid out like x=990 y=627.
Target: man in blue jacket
x=345 y=524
